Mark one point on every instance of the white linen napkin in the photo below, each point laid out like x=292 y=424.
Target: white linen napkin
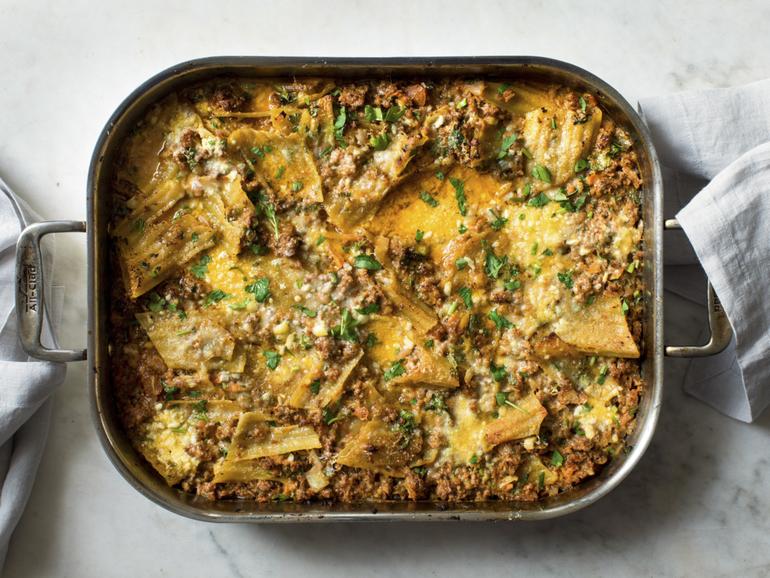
x=25 y=385
x=714 y=146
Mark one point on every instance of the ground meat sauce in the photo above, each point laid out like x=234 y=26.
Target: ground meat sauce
x=383 y=290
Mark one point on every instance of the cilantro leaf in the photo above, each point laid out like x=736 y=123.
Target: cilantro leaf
x=395 y=370
x=272 y=359
x=541 y=173
x=201 y=268
x=467 y=296
x=368 y=262
x=260 y=288
x=506 y=144
x=501 y=322
x=540 y=200
x=566 y=279
x=462 y=201
x=427 y=198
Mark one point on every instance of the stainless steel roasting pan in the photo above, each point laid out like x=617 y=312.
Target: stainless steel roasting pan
x=30 y=298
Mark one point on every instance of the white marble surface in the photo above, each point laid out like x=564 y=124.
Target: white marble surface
x=696 y=505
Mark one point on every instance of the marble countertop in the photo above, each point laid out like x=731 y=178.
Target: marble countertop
x=697 y=503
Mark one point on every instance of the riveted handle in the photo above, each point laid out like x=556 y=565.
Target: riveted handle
x=720 y=330
x=30 y=299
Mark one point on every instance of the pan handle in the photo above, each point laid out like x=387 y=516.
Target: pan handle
x=30 y=305
x=720 y=330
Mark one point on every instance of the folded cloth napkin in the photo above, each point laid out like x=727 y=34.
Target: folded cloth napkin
x=714 y=146
x=25 y=387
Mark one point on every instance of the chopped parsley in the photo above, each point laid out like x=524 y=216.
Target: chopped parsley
x=541 y=173
x=306 y=311
x=419 y=235
x=573 y=206
x=581 y=165
x=394 y=113
x=493 y=264
x=499 y=221
x=339 y=127
x=467 y=296
x=395 y=370
x=566 y=279
x=373 y=113
x=214 y=296
x=369 y=309
x=260 y=288
x=200 y=409
x=315 y=386
x=440 y=175
x=380 y=141
x=602 y=375
x=280 y=171
x=583 y=104
x=461 y=263
x=512 y=284
x=296 y=186
x=437 y=403
x=501 y=322
x=272 y=359
x=506 y=144
x=168 y=390
x=500 y=375
x=624 y=306
x=346 y=330
x=540 y=200
x=157 y=303
x=557 y=460
x=368 y=262
x=462 y=202
x=427 y=198
x=201 y=268
x=269 y=210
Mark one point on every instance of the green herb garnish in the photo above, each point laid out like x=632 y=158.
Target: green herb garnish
x=260 y=288
x=201 y=268
x=566 y=279
x=506 y=144
x=214 y=296
x=462 y=202
x=540 y=200
x=396 y=369
x=368 y=262
x=426 y=197
x=541 y=173
x=272 y=359
x=501 y=322
x=467 y=296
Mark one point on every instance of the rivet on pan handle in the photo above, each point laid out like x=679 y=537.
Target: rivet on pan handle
x=719 y=325
x=30 y=305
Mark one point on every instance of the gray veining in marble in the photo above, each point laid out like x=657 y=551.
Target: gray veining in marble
x=698 y=503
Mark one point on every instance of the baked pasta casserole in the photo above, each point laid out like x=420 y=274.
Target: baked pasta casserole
x=377 y=290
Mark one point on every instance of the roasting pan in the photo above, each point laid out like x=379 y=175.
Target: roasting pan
x=132 y=466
